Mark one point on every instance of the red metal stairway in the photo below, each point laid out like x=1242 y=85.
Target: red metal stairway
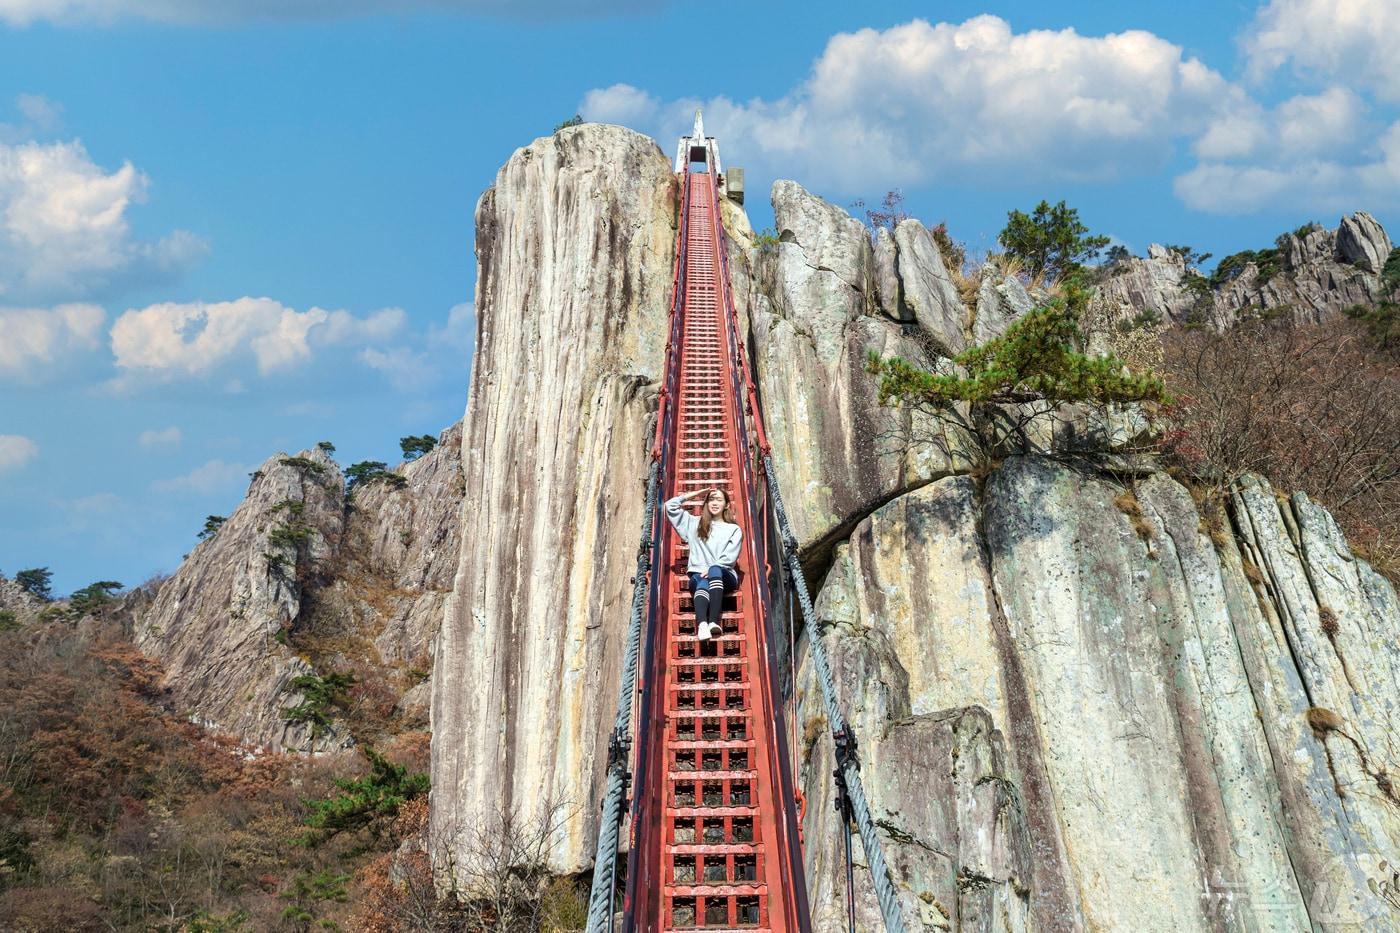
x=714 y=825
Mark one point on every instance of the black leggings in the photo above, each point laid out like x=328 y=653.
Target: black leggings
x=708 y=592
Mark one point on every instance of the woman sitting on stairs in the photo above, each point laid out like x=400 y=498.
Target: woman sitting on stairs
x=714 y=542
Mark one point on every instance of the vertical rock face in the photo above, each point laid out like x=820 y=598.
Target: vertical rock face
x=1323 y=649
x=296 y=558
x=1155 y=285
x=1362 y=242
x=928 y=289
x=219 y=622
x=1150 y=704
x=907 y=608
x=575 y=243
x=815 y=312
x=1001 y=299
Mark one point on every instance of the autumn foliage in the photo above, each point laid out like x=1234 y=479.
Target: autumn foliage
x=1314 y=408
x=117 y=814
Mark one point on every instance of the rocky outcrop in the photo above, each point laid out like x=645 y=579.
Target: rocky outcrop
x=298 y=564
x=1147 y=756
x=1155 y=694
x=1001 y=299
x=575 y=245
x=1362 y=242
x=1157 y=285
x=1310 y=275
x=218 y=624
x=816 y=312
x=23 y=607
x=928 y=289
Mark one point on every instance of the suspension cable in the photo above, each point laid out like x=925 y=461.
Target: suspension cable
x=600 y=900
x=850 y=791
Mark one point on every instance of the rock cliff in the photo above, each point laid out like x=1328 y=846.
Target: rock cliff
x=22 y=607
x=575 y=242
x=1309 y=274
x=1081 y=704
x=302 y=580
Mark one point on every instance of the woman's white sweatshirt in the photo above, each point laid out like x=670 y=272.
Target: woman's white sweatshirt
x=721 y=548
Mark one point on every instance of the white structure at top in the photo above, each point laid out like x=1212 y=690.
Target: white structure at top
x=697 y=147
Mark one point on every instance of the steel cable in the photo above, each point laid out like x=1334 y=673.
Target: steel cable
x=847 y=762
x=600 y=900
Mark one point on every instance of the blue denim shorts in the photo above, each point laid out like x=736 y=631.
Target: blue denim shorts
x=728 y=574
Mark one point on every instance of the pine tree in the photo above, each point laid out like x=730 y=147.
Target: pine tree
x=368 y=802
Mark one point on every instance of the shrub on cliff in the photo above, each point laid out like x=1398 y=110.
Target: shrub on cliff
x=1038 y=365
x=1390 y=274
x=94 y=597
x=371 y=471
x=212 y=524
x=889 y=214
x=1267 y=262
x=370 y=802
x=36 y=581
x=306 y=465
x=415 y=446
x=320 y=692
x=1050 y=241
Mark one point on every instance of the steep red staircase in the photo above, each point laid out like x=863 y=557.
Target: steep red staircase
x=714 y=834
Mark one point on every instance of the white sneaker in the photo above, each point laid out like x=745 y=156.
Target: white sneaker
x=702 y=630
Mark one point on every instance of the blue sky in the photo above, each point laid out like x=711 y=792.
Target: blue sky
x=229 y=228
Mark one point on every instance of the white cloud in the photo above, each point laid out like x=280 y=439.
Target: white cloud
x=342 y=327
x=407 y=370
x=1351 y=40
x=15 y=451
x=1315 y=184
x=1320 y=123
x=197 y=338
x=42 y=113
x=1329 y=122
x=622 y=104
x=459 y=331
x=920 y=102
x=39 y=115
x=1234 y=133
x=210 y=476
x=186 y=12
x=431 y=357
x=1310 y=152
x=32 y=340
x=162 y=437
x=63 y=225
x=96 y=505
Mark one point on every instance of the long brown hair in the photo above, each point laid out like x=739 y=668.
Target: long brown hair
x=705 y=518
